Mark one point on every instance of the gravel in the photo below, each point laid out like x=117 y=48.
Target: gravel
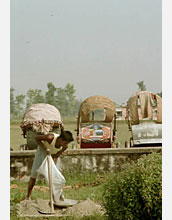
x=83 y=208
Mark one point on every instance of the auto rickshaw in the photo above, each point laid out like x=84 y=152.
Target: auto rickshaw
x=39 y=119
x=144 y=118
x=96 y=123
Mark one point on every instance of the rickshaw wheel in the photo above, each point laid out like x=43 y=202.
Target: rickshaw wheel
x=118 y=144
x=131 y=142
x=113 y=145
x=127 y=144
x=78 y=146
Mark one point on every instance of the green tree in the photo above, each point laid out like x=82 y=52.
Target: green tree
x=34 y=96
x=160 y=94
x=50 y=95
x=61 y=101
x=12 y=102
x=70 y=99
x=65 y=100
x=19 y=105
x=77 y=106
x=16 y=104
x=141 y=86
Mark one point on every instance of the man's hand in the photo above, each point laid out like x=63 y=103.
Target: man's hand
x=60 y=152
x=40 y=138
x=57 y=154
x=48 y=151
x=55 y=160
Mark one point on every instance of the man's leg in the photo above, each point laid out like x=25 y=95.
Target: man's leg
x=57 y=161
x=62 y=198
x=30 y=186
x=39 y=157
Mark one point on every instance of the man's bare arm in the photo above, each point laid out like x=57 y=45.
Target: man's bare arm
x=60 y=152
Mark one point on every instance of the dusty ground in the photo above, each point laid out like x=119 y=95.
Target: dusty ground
x=83 y=208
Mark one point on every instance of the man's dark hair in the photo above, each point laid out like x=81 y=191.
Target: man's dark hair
x=66 y=136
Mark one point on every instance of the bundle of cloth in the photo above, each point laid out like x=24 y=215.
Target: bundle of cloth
x=147 y=103
x=58 y=180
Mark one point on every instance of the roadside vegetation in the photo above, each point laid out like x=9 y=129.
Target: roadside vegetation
x=134 y=192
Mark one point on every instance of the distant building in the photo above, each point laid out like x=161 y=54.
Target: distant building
x=121 y=112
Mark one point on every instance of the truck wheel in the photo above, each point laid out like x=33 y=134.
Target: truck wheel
x=131 y=142
x=127 y=144
x=113 y=145
x=78 y=146
x=118 y=144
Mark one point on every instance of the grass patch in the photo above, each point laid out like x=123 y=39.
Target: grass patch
x=82 y=187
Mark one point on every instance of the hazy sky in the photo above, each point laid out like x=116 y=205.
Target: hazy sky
x=103 y=47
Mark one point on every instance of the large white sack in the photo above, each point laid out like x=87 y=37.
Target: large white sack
x=58 y=180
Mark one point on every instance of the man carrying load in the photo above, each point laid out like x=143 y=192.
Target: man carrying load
x=48 y=143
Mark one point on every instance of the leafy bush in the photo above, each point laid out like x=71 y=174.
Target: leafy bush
x=135 y=193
